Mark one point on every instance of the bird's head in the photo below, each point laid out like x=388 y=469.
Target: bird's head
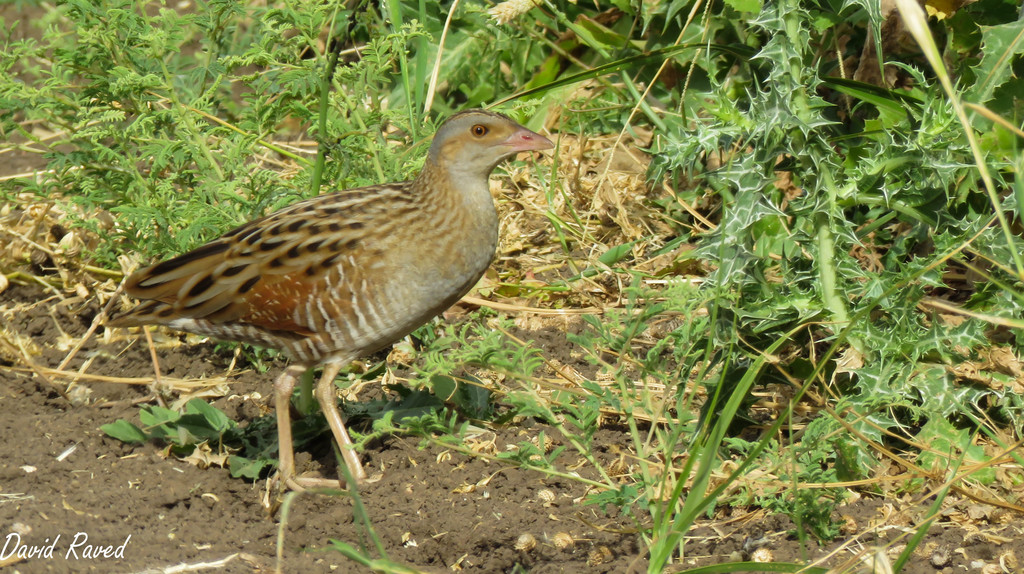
x=473 y=142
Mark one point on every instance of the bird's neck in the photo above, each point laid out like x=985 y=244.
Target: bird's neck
x=464 y=225
x=451 y=187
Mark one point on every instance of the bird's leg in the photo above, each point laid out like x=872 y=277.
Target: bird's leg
x=283 y=387
x=329 y=405
x=159 y=389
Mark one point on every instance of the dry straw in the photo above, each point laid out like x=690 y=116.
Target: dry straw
x=507 y=11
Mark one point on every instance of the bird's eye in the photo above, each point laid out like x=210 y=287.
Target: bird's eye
x=479 y=130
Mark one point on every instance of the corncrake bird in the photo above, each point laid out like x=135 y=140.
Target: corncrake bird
x=336 y=277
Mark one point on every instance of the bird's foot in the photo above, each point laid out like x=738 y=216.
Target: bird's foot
x=301 y=483
x=281 y=483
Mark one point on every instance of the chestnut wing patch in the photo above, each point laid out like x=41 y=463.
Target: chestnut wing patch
x=262 y=273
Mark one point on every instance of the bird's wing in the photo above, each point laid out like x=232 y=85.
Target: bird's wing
x=260 y=272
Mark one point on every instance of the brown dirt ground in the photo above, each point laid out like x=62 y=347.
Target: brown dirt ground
x=433 y=510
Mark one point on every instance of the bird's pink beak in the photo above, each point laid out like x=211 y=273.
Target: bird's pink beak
x=525 y=140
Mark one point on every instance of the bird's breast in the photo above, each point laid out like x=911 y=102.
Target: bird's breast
x=393 y=282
